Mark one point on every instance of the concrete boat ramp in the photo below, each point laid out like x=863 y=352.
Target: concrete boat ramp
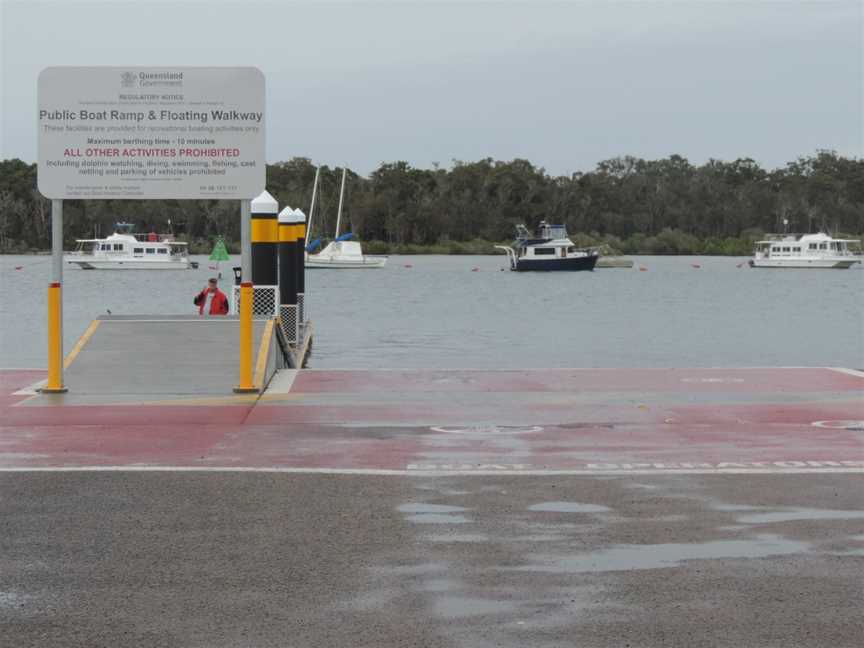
x=151 y=506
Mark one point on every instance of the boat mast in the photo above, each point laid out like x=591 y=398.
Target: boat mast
x=341 y=197
x=311 y=208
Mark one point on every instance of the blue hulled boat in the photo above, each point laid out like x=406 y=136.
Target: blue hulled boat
x=549 y=249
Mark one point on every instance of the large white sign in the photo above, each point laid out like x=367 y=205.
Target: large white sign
x=140 y=132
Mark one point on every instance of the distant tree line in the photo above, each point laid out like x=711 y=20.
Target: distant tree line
x=631 y=205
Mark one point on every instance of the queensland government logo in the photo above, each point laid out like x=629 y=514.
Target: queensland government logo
x=128 y=79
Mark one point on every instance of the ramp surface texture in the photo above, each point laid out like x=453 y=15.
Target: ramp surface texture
x=598 y=508
x=143 y=358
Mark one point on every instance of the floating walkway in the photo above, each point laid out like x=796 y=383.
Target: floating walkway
x=139 y=359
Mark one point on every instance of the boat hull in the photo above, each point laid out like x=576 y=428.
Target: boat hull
x=552 y=265
x=343 y=264
x=819 y=264
x=93 y=264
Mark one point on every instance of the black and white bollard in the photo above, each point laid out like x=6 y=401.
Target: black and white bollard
x=301 y=265
x=264 y=239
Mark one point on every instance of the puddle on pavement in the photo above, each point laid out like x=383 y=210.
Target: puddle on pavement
x=451 y=607
x=735 y=507
x=12 y=600
x=458 y=537
x=413 y=570
x=568 y=507
x=421 y=513
x=437 y=518
x=659 y=556
x=373 y=601
x=441 y=585
x=790 y=515
x=420 y=508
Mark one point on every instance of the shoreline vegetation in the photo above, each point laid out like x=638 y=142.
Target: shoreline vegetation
x=626 y=206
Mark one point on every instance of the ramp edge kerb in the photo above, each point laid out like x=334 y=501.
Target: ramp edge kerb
x=82 y=341
x=263 y=355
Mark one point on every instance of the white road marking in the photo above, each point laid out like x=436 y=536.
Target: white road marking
x=558 y=369
x=848 y=372
x=31 y=390
x=433 y=470
x=839 y=425
x=488 y=430
x=177 y=321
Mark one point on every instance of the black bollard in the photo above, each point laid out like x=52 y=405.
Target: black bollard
x=264 y=240
x=287 y=258
x=288 y=315
x=300 y=219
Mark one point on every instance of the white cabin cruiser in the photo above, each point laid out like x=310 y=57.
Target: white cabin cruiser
x=804 y=251
x=124 y=250
x=549 y=249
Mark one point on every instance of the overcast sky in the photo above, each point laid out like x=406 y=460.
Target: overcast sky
x=563 y=84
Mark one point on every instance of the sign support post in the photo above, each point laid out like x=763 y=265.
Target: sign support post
x=245 y=240
x=247 y=295
x=55 y=304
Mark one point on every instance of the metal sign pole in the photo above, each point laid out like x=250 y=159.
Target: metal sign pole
x=245 y=240
x=246 y=299
x=55 y=304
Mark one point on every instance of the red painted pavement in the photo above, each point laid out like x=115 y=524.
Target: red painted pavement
x=659 y=419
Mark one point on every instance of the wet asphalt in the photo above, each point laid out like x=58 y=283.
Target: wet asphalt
x=258 y=560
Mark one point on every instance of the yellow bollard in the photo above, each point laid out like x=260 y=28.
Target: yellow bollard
x=246 y=295
x=55 y=340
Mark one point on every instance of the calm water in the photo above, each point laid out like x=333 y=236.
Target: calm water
x=436 y=311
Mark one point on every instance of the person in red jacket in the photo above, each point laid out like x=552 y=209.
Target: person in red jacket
x=211 y=300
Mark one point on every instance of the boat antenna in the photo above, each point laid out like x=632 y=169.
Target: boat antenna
x=341 y=197
x=312 y=207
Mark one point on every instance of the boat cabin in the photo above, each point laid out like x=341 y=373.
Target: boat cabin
x=808 y=245
x=549 y=242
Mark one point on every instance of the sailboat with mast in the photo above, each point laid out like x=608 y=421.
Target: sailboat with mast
x=341 y=252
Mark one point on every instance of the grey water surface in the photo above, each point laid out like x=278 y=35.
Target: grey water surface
x=466 y=312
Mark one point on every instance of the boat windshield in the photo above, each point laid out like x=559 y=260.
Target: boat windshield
x=553 y=231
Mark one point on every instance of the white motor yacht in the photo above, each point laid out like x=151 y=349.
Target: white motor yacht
x=124 y=250
x=805 y=251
